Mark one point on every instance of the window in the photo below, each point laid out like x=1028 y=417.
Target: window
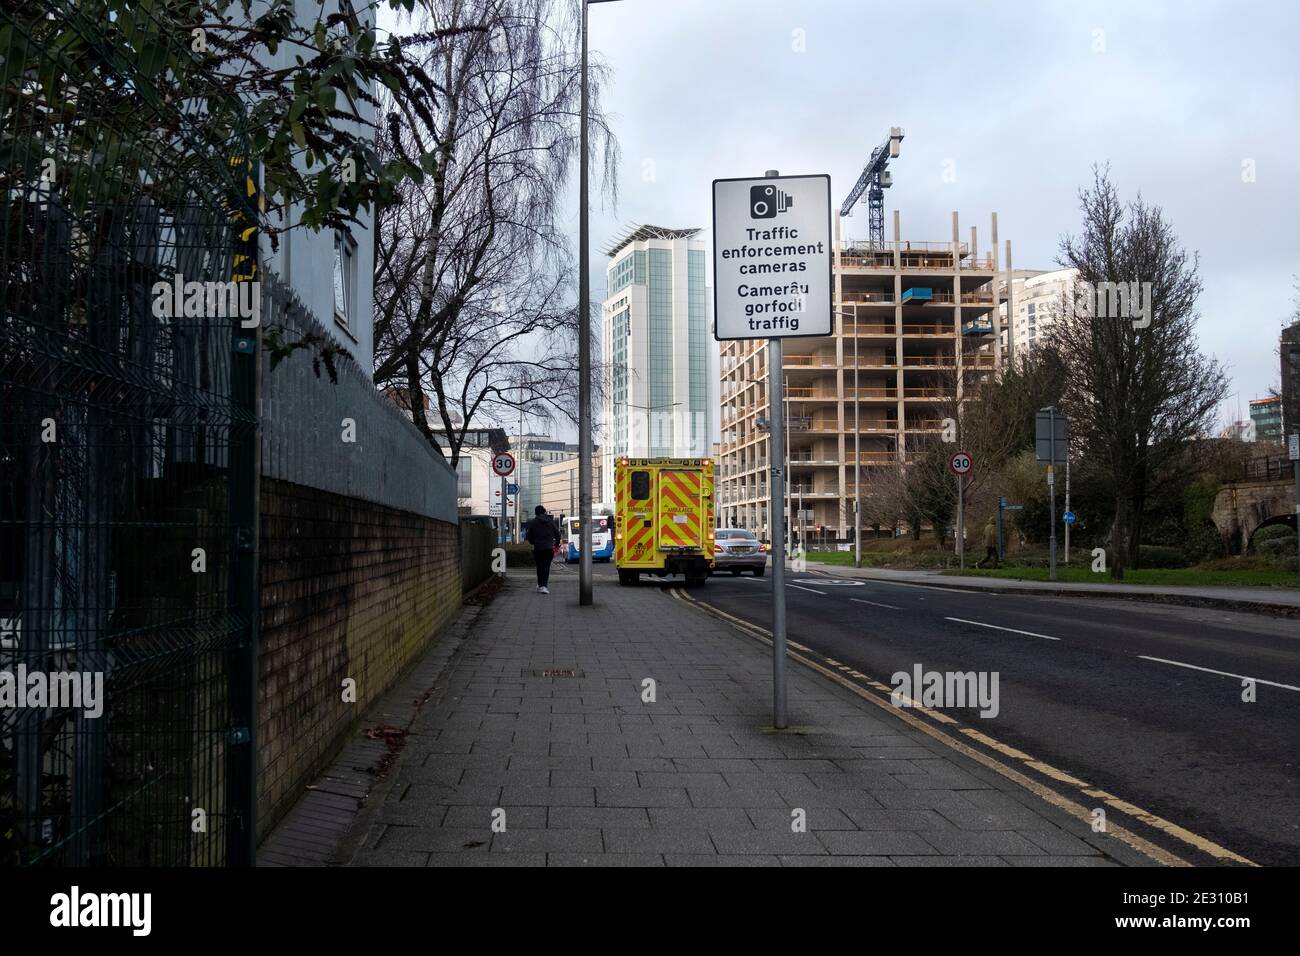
x=464 y=477
x=640 y=485
x=345 y=277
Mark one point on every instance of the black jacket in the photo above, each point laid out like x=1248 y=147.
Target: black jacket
x=542 y=533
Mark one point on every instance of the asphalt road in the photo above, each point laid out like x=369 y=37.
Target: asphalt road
x=1142 y=701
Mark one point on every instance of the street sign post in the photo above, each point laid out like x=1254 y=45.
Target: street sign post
x=1051 y=441
x=1002 y=508
x=772 y=280
x=503 y=463
x=961 y=463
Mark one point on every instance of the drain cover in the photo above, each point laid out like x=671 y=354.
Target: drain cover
x=558 y=672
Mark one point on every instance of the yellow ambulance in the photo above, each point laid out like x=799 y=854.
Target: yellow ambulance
x=664 y=513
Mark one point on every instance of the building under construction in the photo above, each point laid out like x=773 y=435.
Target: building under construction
x=917 y=325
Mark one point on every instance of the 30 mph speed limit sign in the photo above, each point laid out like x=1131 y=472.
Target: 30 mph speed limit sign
x=961 y=463
x=504 y=464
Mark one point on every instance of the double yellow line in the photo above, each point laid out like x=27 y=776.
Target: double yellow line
x=841 y=674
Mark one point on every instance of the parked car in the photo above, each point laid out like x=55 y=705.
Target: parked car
x=736 y=550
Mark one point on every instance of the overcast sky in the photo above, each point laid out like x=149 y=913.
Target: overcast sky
x=1017 y=99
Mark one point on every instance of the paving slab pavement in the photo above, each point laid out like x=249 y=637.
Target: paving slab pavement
x=536 y=744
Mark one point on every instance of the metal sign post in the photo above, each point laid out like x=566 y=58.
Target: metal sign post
x=1051 y=510
x=961 y=463
x=1050 y=448
x=1293 y=452
x=1069 y=521
x=503 y=464
x=783 y=225
x=1002 y=507
x=776 y=511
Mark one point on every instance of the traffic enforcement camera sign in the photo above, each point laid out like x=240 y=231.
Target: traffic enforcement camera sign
x=503 y=464
x=772 y=257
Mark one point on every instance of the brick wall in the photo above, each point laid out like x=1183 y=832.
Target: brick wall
x=350 y=588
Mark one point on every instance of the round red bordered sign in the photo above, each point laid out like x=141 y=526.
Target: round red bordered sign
x=961 y=463
x=503 y=464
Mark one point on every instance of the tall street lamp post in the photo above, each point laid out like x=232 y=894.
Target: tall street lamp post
x=584 y=341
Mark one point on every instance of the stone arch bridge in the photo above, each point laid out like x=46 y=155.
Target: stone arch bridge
x=1265 y=497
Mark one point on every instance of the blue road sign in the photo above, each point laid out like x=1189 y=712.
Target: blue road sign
x=512 y=489
x=1068 y=517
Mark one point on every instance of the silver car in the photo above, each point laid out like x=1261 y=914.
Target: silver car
x=736 y=550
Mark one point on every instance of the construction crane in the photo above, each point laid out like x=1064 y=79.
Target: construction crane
x=875 y=179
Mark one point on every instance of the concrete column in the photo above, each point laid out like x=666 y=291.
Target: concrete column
x=900 y=439
x=1011 y=308
x=956 y=311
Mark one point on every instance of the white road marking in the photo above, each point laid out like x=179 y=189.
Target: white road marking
x=802 y=588
x=997 y=627
x=876 y=604
x=1209 y=670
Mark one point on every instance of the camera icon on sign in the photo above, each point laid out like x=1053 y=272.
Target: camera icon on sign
x=766 y=201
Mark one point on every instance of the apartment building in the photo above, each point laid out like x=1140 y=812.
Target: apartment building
x=1266 y=419
x=655 y=344
x=1037 y=298
x=916 y=322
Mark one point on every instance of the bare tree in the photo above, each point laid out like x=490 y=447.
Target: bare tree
x=474 y=313
x=1137 y=388
x=984 y=422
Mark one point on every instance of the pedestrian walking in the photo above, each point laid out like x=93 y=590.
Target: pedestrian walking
x=990 y=545
x=543 y=534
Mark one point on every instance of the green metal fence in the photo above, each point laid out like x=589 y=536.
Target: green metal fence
x=128 y=463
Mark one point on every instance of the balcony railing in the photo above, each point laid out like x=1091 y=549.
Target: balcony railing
x=936 y=262
x=867 y=328
x=813 y=491
x=945 y=361
x=808 y=392
x=879 y=260
x=919 y=392
x=935 y=296
x=867 y=298
x=914 y=329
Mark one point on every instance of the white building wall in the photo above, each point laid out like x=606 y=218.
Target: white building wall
x=1045 y=292
x=305 y=259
